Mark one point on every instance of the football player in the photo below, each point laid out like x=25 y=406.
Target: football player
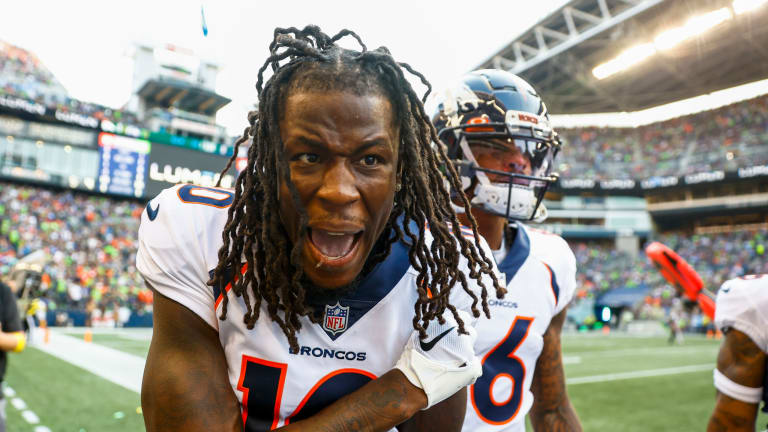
x=741 y=313
x=282 y=304
x=498 y=132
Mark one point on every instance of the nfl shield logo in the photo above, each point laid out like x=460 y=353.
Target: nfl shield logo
x=335 y=320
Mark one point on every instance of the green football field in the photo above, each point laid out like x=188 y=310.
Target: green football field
x=616 y=383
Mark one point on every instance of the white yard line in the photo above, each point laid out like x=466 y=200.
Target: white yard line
x=640 y=374
x=123 y=369
x=28 y=415
x=672 y=350
x=571 y=359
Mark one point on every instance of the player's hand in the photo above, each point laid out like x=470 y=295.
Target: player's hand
x=444 y=362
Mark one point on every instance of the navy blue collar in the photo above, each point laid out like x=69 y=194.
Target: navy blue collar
x=519 y=251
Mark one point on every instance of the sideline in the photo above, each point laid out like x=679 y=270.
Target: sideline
x=121 y=368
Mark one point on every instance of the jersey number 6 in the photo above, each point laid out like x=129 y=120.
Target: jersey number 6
x=262 y=384
x=500 y=362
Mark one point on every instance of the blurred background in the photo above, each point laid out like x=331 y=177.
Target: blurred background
x=662 y=106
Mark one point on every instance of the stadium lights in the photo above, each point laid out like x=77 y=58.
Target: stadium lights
x=695 y=26
x=624 y=61
x=744 y=6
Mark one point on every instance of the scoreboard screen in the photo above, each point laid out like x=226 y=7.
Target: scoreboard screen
x=122 y=164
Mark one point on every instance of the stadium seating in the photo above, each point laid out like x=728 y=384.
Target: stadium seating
x=91 y=244
x=715 y=257
x=23 y=76
x=723 y=139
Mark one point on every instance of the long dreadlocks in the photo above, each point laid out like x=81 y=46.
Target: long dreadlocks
x=311 y=60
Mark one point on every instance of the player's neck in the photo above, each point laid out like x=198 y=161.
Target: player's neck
x=490 y=226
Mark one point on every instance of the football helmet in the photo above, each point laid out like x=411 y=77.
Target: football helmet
x=500 y=139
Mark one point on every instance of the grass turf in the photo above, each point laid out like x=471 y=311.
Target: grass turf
x=67 y=398
x=674 y=402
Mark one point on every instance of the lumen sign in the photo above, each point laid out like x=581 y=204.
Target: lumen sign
x=169 y=165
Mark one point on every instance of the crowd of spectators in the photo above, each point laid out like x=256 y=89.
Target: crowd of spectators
x=89 y=245
x=722 y=139
x=715 y=257
x=22 y=75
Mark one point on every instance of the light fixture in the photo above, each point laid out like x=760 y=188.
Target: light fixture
x=744 y=6
x=695 y=26
x=624 y=61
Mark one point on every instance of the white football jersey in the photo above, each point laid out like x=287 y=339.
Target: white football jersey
x=742 y=304
x=361 y=336
x=540 y=273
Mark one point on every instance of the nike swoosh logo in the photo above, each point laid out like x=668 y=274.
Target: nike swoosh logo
x=726 y=290
x=426 y=346
x=152 y=214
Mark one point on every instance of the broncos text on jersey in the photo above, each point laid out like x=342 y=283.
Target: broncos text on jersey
x=361 y=336
x=540 y=272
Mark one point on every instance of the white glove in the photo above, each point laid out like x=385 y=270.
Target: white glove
x=444 y=362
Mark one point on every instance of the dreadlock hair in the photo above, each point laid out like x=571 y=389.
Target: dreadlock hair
x=310 y=60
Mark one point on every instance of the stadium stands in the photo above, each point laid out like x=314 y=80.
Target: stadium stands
x=90 y=243
x=716 y=257
x=723 y=139
x=23 y=76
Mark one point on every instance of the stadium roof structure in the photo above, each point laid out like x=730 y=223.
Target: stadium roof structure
x=651 y=52
x=168 y=92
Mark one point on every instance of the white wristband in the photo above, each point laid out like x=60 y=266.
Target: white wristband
x=737 y=391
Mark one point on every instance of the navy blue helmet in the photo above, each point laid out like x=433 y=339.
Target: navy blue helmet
x=499 y=135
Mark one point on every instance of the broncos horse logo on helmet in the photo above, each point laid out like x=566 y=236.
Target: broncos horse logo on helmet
x=498 y=111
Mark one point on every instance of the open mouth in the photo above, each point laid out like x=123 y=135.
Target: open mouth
x=332 y=248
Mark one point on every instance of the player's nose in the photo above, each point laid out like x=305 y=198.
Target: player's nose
x=339 y=186
x=519 y=164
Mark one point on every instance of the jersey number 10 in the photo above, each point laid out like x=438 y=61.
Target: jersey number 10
x=262 y=383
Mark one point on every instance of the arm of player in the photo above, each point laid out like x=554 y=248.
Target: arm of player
x=447 y=416
x=185 y=385
x=431 y=373
x=12 y=341
x=380 y=405
x=742 y=362
x=552 y=410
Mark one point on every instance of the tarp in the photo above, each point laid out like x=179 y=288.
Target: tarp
x=622 y=297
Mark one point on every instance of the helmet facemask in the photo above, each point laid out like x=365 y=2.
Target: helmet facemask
x=496 y=110
x=514 y=194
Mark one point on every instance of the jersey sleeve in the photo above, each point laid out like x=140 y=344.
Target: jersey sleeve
x=742 y=304
x=566 y=276
x=178 y=246
x=555 y=252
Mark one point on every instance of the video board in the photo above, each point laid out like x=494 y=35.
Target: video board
x=122 y=164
